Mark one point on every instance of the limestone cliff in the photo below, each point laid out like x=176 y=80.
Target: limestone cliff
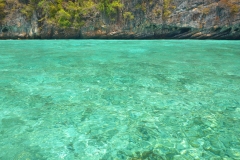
x=139 y=19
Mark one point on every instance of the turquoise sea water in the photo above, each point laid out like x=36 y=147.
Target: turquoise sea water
x=114 y=100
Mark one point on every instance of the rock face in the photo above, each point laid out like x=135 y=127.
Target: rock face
x=138 y=19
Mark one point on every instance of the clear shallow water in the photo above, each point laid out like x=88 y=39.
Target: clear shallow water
x=91 y=99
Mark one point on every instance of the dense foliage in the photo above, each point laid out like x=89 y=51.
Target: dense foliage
x=73 y=13
x=64 y=13
x=2 y=13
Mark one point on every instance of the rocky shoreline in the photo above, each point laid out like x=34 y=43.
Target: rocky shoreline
x=195 y=19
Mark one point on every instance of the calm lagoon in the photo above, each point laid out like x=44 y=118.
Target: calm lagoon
x=112 y=99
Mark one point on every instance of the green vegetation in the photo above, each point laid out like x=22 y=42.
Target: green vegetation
x=141 y=6
x=110 y=7
x=73 y=13
x=206 y=11
x=231 y=5
x=234 y=9
x=63 y=13
x=167 y=8
x=128 y=16
x=2 y=13
x=157 y=12
x=27 y=10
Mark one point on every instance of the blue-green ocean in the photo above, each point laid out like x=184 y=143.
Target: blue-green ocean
x=119 y=100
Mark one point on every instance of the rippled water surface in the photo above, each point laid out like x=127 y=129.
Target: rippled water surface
x=98 y=99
